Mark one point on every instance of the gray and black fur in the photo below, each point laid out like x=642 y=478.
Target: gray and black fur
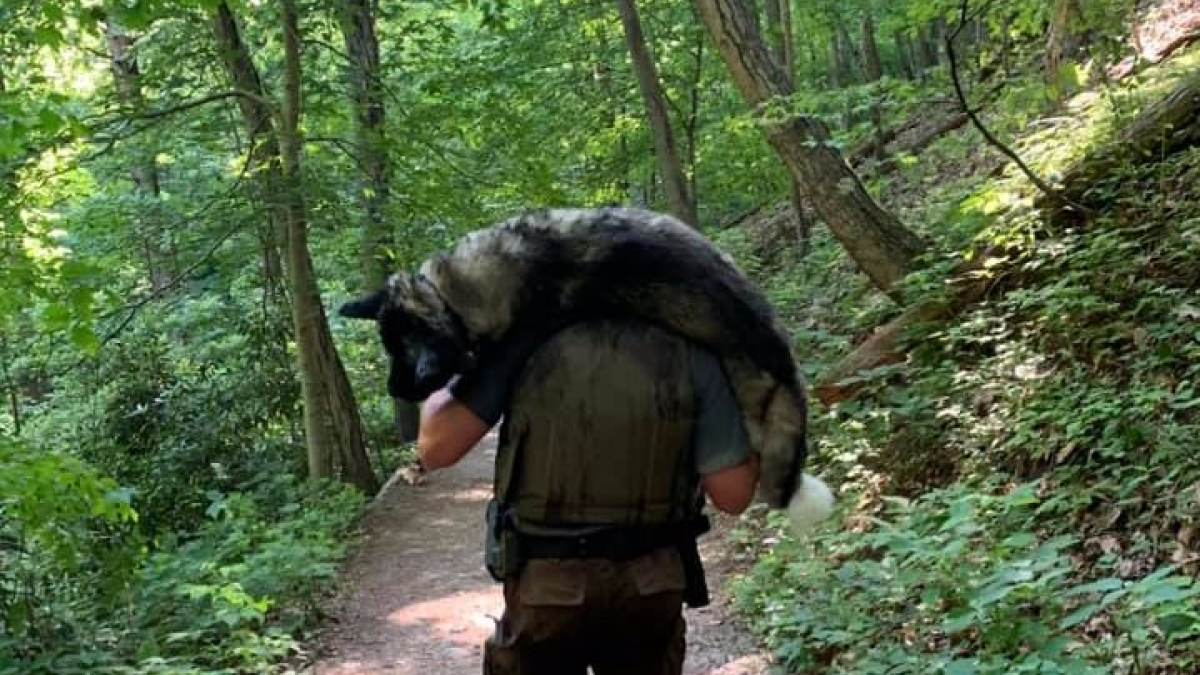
x=600 y=262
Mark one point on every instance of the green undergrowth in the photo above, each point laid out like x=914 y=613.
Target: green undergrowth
x=1022 y=495
x=82 y=591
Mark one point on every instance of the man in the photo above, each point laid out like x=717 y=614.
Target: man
x=612 y=432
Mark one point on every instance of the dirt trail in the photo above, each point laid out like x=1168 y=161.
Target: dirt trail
x=416 y=600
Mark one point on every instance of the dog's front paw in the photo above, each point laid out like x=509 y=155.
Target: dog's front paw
x=414 y=473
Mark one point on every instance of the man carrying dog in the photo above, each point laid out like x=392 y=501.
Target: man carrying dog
x=613 y=434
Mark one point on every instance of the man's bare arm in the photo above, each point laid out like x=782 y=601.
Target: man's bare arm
x=448 y=431
x=732 y=490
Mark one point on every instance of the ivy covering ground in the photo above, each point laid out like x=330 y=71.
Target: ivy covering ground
x=1021 y=495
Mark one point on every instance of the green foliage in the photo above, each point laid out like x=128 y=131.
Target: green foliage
x=147 y=357
x=237 y=593
x=81 y=597
x=59 y=520
x=961 y=580
x=1043 y=440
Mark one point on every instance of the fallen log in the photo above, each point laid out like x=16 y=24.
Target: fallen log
x=883 y=347
x=1162 y=129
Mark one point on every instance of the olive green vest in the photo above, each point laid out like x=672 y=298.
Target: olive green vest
x=599 y=430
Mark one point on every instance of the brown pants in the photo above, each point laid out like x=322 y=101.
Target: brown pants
x=620 y=618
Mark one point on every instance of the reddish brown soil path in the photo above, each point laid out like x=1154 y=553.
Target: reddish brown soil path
x=416 y=600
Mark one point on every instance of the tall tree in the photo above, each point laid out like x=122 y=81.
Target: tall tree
x=881 y=246
x=779 y=28
x=357 y=19
x=873 y=71
x=127 y=81
x=333 y=429
x=257 y=120
x=1062 y=46
x=670 y=168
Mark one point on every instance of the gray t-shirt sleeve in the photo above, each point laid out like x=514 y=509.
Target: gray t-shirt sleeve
x=719 y=440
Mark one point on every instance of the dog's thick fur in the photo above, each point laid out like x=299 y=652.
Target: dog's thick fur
x=614 y=262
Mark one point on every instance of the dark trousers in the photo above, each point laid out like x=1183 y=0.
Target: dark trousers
x=620 y=618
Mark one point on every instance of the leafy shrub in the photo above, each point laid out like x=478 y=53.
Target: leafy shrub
x=81 y=594
x=961 y=580
x=62 y=543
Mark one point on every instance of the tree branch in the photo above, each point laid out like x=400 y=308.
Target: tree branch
x=988 y=136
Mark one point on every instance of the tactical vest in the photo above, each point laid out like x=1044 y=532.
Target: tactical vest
x=599 y=430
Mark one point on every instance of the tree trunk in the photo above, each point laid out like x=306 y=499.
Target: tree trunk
x=1062 y=46
x=670 y=168
x=779 y=28
x=843 y=380
x=904 y=51
x=872 y=64
x=775 y=36
x=331 y=420
x=873 y=70
x=333 y=429
x=260 y=132
x=11 y=388
x=617 y=173
x=881 y=246
x=692 y=123
x=930 y=46
x=127 y=81
x=846 y=64
x=366 y=89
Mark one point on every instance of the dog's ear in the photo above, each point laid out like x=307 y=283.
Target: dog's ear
x=366 y=307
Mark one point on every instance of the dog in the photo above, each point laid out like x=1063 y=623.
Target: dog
x=604 y=262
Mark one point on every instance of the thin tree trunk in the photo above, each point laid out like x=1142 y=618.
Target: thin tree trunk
x=366 y=88
x=331 y=419
x=692 y=124
x=260 y=132
x=618 y=175
x=10 y=385
x=774 y=33
x=873 y=70
x=779 y=28
x=787 y=45
x=904 y=49
x=845 y=61
x=1062 y=46
x=881 y=246
x=670 y=168
x=872 y=64
x=333 y=429
x=8 y=188
x=929 y=44
x=127 y=79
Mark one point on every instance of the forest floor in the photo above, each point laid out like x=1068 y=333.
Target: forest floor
x=415 y=598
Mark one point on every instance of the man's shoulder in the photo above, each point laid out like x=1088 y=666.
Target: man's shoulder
x=611 y=332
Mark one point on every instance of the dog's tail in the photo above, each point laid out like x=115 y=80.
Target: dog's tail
x=811 y=503
x=782 y=455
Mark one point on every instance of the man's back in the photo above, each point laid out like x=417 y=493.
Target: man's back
x=599 y=428
x=610 y=429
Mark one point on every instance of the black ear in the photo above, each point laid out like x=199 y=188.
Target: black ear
x=366 y=307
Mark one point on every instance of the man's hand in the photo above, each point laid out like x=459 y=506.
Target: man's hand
x=454 y=419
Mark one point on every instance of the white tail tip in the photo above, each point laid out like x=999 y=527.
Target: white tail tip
x=812 y=503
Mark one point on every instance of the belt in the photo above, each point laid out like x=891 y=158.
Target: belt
x=611 y=544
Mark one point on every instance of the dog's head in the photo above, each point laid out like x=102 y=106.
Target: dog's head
x=422 y=334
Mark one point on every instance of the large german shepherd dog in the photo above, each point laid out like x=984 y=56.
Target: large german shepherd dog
x=604 y=262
